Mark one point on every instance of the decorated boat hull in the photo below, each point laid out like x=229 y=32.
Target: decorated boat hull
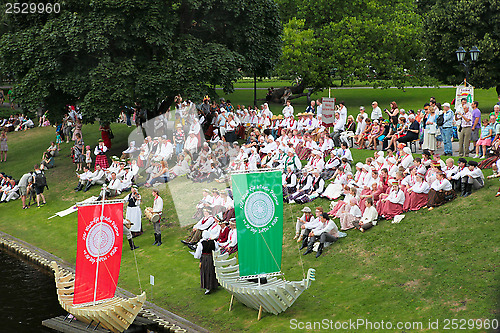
x=274 y=297
x=115 y=314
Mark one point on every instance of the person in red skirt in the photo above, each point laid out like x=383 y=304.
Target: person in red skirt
x=106 y=134
x=100 y=155
x=418 y=193
x=392 y=204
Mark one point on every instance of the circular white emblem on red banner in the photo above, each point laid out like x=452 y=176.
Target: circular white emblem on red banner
x=100 y=236
x=259 y=209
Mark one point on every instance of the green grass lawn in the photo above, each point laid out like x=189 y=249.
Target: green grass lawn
x=411 y=99
x=432 y=266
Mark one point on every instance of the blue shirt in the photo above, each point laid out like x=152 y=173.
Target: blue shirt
x=448 y=119
x=485 y=131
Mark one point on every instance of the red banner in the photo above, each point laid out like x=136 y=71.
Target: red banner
x=99 y=252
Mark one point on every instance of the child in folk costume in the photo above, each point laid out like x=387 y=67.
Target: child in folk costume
x=207 y=269
x=368 y=194
x=417 y=194
x=231 y=245
x=336 y=210
x=391 y=204
x=351 y=214
x=88 y=157
x=369 y=218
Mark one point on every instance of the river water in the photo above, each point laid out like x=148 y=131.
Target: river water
x=27 y=296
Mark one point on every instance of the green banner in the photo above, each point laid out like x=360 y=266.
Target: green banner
x=258 y=206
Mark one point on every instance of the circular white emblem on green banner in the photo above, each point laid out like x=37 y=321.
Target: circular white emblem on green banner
x=259 y=209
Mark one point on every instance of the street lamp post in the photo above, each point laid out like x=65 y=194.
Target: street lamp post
x=461 y=57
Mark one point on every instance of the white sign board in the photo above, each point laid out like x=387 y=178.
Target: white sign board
x=328 y=111
x=152 y=280
x=464 y=92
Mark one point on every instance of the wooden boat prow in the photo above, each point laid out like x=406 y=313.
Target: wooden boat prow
x=274 y=297
x=115 y=314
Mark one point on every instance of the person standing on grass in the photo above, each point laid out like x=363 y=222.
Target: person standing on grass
x=26 y=179
x=464 y=130
x=203 y=252
x=3 y=147
x=40 y=184
x=447 y=129
x=476 y=124
x=376 y=111
x=157 y=209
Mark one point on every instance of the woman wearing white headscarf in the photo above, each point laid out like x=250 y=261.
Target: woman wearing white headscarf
x=207 y=269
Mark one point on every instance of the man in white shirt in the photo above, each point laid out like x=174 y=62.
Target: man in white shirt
x=114 y=188
x=288 y=110
x=157 y=209
x=314 y=222
x=376 y=112
x=326 y=233
x=98 y=177
x=319 y=108
x=191 y=143
x=473 y=179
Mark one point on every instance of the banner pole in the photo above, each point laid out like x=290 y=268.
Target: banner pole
x=99 y=245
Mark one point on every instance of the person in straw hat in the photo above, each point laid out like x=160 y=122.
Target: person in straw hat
x=305 y=218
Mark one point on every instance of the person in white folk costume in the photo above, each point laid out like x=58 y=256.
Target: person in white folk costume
x=133 y=212
x=327 y=232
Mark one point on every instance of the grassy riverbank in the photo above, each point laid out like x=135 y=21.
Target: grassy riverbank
x=432 y=266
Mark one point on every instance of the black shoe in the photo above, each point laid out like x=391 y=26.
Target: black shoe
x=78 y=187
x=87 y=187
x=302 y=247
x=156 y=239
x=308 y=251
x=132 y=245
x=192 y=247
x=159 y=240
x=468 y=190
x=320 y=250
x=463 y=189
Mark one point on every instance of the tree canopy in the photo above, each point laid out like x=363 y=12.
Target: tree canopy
x=361 y=39
x=467 y=23
x=104 y=54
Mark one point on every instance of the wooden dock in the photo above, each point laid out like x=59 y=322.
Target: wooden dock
x=62 y=324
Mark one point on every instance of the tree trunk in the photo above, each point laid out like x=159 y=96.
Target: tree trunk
x=297 y=91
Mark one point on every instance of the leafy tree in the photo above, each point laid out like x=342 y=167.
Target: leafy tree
x=104 y=54
x=352 y=39
x=467 y=23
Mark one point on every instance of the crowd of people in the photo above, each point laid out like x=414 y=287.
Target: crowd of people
x=208 y=141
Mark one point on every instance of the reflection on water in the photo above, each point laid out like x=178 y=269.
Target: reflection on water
x=27 y=296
